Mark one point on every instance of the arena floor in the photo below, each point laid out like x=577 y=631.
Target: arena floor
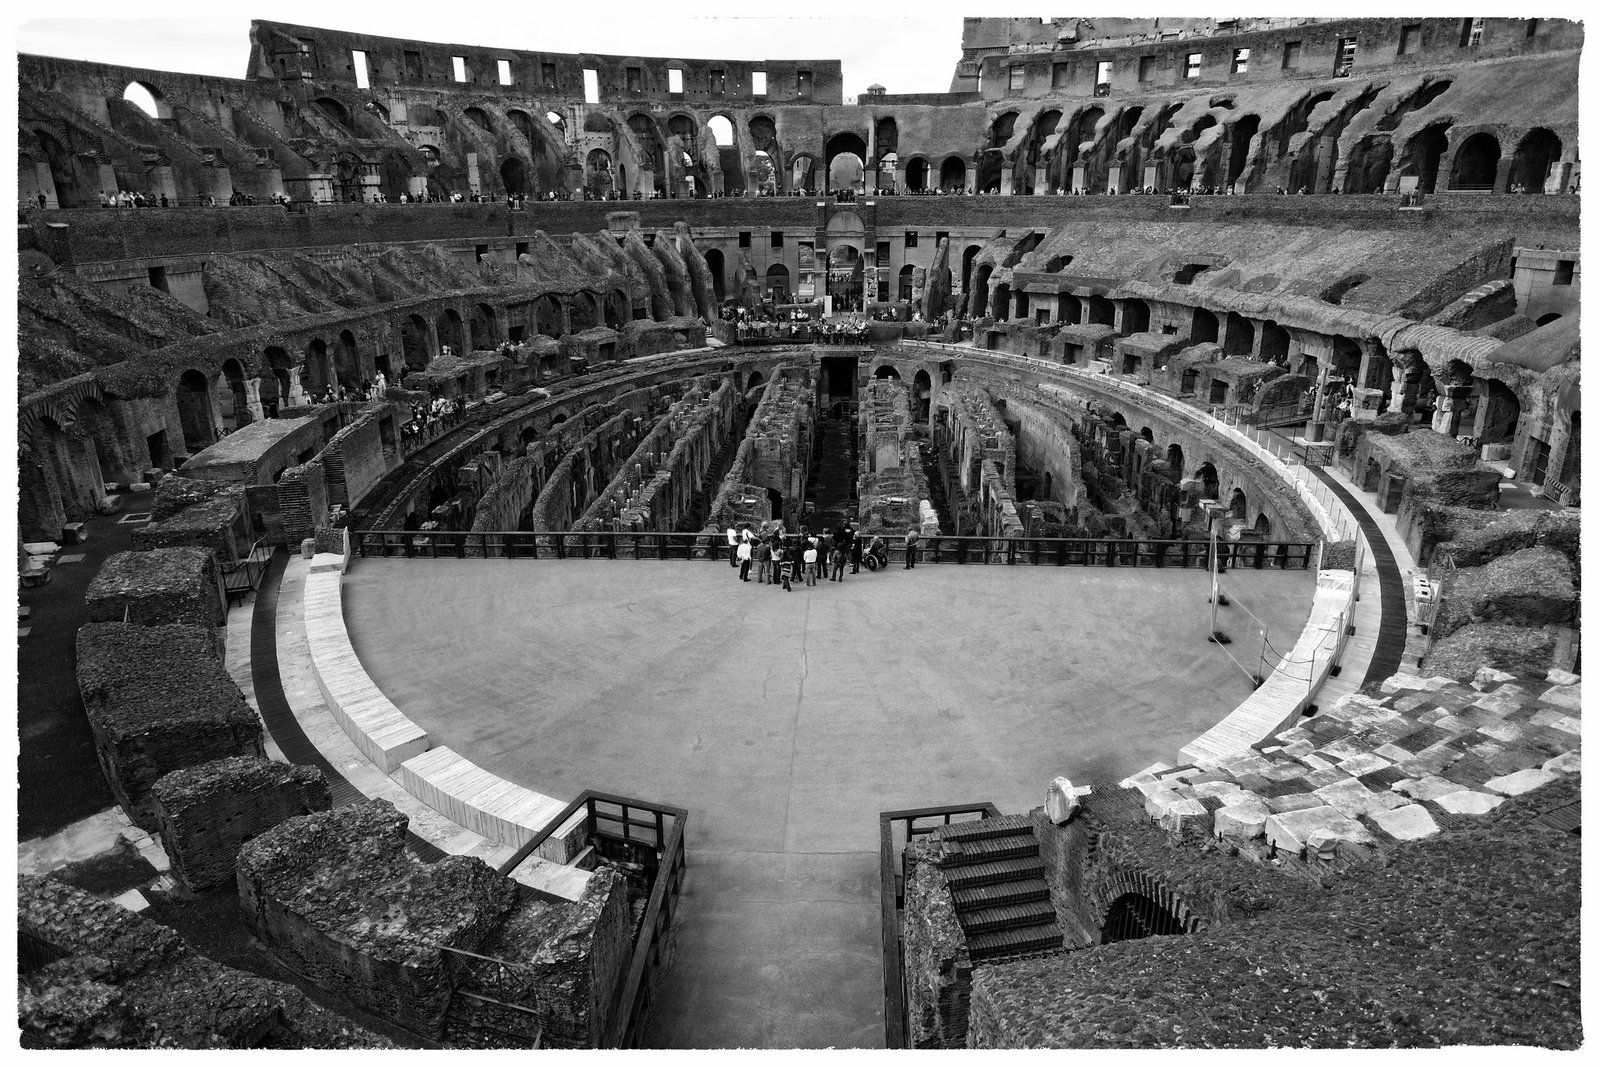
x=784 y=722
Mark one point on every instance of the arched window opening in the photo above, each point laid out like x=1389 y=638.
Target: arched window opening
x=1476 y=163
x=1133 y=916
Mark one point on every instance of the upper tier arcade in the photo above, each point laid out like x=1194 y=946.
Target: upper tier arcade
x=279 y=52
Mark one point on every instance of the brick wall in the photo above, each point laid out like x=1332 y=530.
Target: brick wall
x=208 y=811
x=938 y=971
x=354 y=460
x=302 y=503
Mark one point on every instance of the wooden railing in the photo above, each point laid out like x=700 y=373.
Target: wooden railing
x=1003 y=551
x=651 y=835
x=896 y=830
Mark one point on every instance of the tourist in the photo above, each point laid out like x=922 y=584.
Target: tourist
x=733 y=545
x=810 y=560
x=743 y=553
x=837 y=559
x=780 y=563
x=763 y=556
x=912 y=537
x=855 y=555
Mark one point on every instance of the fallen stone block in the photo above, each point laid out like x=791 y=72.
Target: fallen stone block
x=1243 y=821
x=1061 y=799
x=1564 y=696
x=1293 y=802
x=1146 y=775
x=1490 y=676
x=1566 y=763
x=1181 y=812
x=1363 y=763
x=1429 y=787
x=1518 y=782
x=1409 y=823
x=1556 y=676
x=1469 y=802
x=1292 y=831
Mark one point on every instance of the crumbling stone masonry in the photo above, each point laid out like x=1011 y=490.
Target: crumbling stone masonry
x=774 y=457
x=94 y=974
x=159 y=700
x=163 y=585
x=983 y=453
x=338 y=899
x=892 y=487
x=208 y=811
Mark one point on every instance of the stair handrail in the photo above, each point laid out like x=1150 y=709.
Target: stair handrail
x=895 y=1023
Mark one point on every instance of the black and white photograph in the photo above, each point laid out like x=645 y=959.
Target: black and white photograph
x=405 y=392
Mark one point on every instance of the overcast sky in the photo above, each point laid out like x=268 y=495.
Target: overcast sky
x=906 y=55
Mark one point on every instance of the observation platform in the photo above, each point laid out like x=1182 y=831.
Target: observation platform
x=786 y=721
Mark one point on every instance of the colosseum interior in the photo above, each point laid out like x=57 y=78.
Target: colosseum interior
x=425 y=405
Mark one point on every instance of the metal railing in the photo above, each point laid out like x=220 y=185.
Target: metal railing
x=896 y=830
x=997 y=551
x=651 y=834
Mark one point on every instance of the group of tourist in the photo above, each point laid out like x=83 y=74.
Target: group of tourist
x=842 y=332
x=370 y=389
x=783 y=559
x=428 y=419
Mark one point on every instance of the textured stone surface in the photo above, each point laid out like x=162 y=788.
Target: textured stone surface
x=1409 y=823
x=1470 y=802
x=1519 y=781
x=95 y=974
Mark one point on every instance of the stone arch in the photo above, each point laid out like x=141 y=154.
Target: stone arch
x=917 y=174
x=617 y=310
x=953 y=175
x=803 y=172
x=514 y=177
x=1530 y=166
x=347 y=360
x=903 y=290
x=451 y=332
x=1476 y=162
x=1175 y=461
x=597 y=174
x=1367 y=170
x=886 y=372
x=277 y=385
x=485 y=326
x=233 y=396
x=584 y=311
x=1240 y=137
x=1423 y=153
x=1210 y=482
x=547 y=317
x=777 y=283
x=1133 y=916
x=921 y=395
x=318 y=368
x=978 y=295
x=1240 y=339
x=1204 y=327
x=1135 y=316
x=1102 y=311
x=148 y=99
x=477 y=116
x=97 y=424
x=991 y=170
x=840 y=146
x=195 y=418
x=73 y=189
x=415 y=343
x=1274 y=343
x=1238 y=506
x=716 y=267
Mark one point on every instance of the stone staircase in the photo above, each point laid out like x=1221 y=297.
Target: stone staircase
x=832 y=478
x=997 y=881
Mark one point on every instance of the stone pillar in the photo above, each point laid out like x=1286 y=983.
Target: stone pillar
x=1114 y=178
x=1452 y=403
x=1077 y=177
x=472 y=171
x=252 y=399
x=1152 y=176
x=46 y=184
x=297 y=392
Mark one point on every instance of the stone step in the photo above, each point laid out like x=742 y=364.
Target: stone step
x=1009 y=870
x=993 y=895
x=1007 y=917
x=985 y=850
x=1013 y=942
x=979 y=829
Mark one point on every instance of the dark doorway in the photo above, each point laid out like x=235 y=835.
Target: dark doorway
x=1133 y=916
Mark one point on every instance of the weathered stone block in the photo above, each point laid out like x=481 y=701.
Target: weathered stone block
x=206 y=812
x=1409 y=823
x=1469 y=802
x=1519 y=782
